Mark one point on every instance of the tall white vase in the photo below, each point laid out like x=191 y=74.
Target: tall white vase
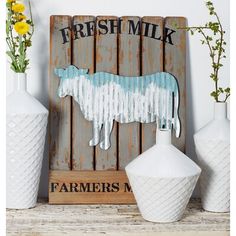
x=212 y=144
x=162 y=179
x=25 y=131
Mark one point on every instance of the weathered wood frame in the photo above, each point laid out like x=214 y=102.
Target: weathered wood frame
x=71 y=158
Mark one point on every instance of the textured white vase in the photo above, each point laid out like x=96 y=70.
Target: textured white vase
x=212 y=144
x=25 y=131
x=162 y=179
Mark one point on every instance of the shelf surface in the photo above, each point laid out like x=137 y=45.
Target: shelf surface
x=121 y=220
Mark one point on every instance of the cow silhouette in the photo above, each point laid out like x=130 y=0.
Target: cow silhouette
x=105 y=97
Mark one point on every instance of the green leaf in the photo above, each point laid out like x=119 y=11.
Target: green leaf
x=9 y=53
x=221 y=90
x=214 y=95
x=212 y=76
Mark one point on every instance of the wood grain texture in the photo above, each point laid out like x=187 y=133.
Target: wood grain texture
x=129 y=65
x=126 y=53
x=57 y=220
x=98 y=186
x=152 y=62
x=59 y=108
x=83 y=57
x=106 y=61
x=175 y=63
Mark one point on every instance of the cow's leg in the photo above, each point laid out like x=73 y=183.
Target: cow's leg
x=96 y=134
x=106 y=132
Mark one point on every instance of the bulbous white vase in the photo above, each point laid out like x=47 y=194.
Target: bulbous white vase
x=212 y=144
x=162 y=179
x=25 y=131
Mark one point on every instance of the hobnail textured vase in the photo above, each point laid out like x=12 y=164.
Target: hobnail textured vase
x=25 y=131
x=212 y=144
x=162 y=179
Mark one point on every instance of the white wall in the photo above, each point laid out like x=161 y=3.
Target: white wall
x=199 y=103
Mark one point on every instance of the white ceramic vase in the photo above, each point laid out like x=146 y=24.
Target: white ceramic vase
x=25 y=131
x=212 y=144
x=162 y=179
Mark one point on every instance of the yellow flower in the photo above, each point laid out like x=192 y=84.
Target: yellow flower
x=18 y=7
x=21 y=27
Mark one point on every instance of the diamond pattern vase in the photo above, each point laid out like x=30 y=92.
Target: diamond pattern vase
x=162 y=179
x=25 y=131
x=212 y=144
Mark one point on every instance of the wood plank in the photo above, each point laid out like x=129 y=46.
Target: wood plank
x=106 y=61
x=83 y=57
x=110 y=220
x=175 y=63
x=60 y=108
x=89 y=187
x=152 y=62
x=129 y=65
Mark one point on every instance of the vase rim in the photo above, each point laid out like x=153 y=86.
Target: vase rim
x=220 y=104
x=20 y=73
x=165 y=130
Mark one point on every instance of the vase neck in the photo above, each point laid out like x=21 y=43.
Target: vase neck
x=220 y=111
x=20 y=82
x=163 y=137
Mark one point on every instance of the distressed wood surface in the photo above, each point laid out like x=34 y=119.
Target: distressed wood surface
x=106 y=61
x=125 y=53
x=129 y=65
x=83 y=57
x=152 y=62
x=175 y=63
x=102 y=188
x=111 y=220
x=60 y=108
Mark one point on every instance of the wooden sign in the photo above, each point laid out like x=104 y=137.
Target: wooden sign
x=127 y=46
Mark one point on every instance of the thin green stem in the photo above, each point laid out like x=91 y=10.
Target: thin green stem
x=194 y=27
x=217 y=51
x=31 y=17
x=227 y=96
x=220 y=50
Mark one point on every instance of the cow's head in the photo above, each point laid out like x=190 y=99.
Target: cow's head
x=68 y=79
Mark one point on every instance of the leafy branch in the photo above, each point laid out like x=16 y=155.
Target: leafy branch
x=213 y=37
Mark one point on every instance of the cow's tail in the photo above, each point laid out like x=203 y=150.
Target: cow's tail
x=176 y=119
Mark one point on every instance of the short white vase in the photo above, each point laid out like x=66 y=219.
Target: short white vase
x=212 y=144
x=25 y=138
x=162 y=179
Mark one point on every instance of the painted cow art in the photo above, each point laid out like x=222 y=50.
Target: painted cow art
x=105 y=97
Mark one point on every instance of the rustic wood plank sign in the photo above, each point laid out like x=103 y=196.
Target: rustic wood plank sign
x=129 y=65
x=126 y=46
x=82 y=57
x=152 y=61
x=60 y=110
x=106 y=60
x=175 y=63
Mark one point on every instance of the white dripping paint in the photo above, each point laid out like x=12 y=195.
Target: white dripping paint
x=104 y=97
